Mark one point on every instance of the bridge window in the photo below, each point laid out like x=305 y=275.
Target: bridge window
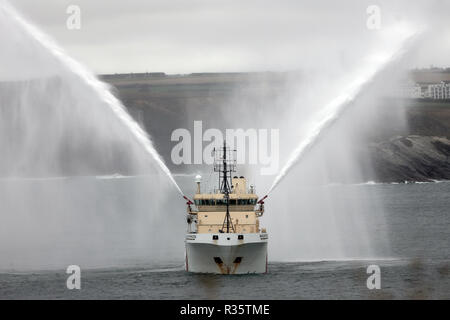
x=205 y=202
x=222 y=202
x=244 y=202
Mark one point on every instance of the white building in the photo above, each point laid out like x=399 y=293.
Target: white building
x=439 y=90
x=411 y=90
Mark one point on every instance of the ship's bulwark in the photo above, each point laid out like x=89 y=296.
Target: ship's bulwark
x=223 y=256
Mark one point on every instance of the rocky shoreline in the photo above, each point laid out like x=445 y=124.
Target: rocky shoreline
x=411 y=158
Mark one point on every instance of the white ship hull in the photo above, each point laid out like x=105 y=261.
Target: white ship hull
x=227 y=254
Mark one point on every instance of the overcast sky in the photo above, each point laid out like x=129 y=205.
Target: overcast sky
x=216 y=36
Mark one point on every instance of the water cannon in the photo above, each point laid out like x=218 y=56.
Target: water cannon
x=260 y=210
x=189 y=201
x=262 y=199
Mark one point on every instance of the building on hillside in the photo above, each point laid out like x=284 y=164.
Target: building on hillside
x=439 y=91
x=415 y=90
x=411 y=90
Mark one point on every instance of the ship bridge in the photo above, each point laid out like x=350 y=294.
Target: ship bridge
x=211 y=209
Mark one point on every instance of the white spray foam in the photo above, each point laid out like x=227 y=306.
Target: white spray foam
x=332 y=111
x=101 y=88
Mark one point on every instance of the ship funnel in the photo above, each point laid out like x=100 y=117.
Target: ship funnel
x=198 y=180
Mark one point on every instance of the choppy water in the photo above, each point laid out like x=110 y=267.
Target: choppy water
x=419 y=267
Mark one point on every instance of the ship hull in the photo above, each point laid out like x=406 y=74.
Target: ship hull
x=226 y=253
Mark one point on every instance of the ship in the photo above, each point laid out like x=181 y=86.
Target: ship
x=224 y=235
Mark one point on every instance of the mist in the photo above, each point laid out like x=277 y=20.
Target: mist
x=61 y=202
x=59 y=137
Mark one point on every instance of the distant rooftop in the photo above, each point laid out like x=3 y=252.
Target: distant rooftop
x=133 y=75
x=157 y=78
x=422 y=76
x=431 y=75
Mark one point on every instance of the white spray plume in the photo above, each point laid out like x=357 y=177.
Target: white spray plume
x=332 y=111
x=101 y=88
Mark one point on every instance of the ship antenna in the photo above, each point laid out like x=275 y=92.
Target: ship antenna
x=225 y=166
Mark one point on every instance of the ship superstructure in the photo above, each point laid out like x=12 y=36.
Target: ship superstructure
x=224 y=234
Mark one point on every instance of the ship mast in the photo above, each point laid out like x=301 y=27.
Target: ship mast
x=225 y=165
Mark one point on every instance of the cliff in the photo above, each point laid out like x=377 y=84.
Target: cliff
x=411 y=158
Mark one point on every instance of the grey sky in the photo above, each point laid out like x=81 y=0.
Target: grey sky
x=196 y=36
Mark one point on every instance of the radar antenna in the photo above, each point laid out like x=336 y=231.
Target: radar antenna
x=224 y=164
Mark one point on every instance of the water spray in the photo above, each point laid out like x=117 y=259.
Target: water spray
x=333 y=110
x=101 y=88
